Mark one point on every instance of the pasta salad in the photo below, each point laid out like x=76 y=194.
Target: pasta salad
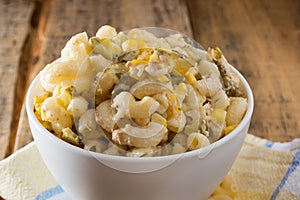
x=135 y=94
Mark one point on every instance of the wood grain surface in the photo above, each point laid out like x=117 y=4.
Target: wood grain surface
x=14 y=22
x=260 y=38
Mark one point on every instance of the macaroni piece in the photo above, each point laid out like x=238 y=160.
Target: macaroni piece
x=226 y=190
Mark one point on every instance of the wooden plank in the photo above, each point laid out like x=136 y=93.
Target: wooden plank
x=281 y=63
x=14 y=22
x=23 y=136
x=36 y=34
x=260 y=38
x=68 y=18
x=167 y=14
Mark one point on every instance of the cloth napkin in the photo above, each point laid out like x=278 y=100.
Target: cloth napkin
x=263 y=170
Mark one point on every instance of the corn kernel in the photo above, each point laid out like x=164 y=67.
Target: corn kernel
x=88 y=49
x=219 y=115
x=37 y=107
x=163 y=79
x=64 y=97
x=159 y=119
x=37 y=113
x=182 y=70
x=195 y=143
x=173 y=102
x=230 y=128
x=39 y=99
x=47 y=125
x=191 y=78
x=181 y=65
x=136 y=62
x=61 y=102
x=64 y=100
x=145 y=54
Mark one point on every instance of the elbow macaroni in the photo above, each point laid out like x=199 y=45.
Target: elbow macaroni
x=134 y=92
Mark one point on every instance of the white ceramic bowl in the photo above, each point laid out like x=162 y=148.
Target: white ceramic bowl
x=87 y=175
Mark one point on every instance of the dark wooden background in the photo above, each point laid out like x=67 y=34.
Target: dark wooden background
x=261 y=38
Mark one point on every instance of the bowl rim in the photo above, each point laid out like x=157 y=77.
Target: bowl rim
x=246 y=119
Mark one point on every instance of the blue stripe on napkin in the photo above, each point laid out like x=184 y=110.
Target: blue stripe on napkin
x=294 y=165
x=47 y=194
x=269 y=144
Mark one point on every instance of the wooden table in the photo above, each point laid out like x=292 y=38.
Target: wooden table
x=261 y=38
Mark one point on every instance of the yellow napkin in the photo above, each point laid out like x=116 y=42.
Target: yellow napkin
x=263 y=170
